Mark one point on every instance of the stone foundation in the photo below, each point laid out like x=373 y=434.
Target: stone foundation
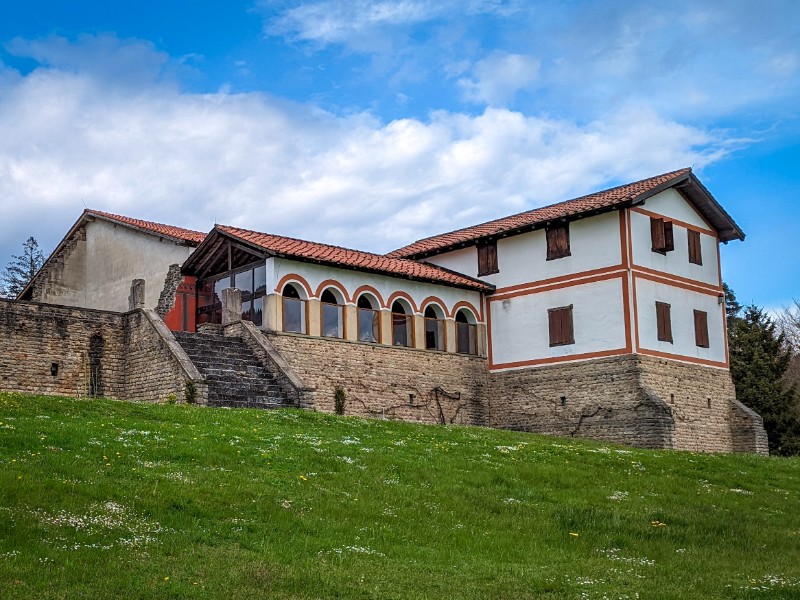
x=631 y=399
x=388 y=382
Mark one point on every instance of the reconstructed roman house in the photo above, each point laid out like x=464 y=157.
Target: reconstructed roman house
x=601 y=317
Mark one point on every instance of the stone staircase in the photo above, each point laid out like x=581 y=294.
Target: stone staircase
x=236 y=379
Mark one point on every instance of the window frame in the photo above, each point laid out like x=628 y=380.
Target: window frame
x=487 y=258
x=662 y=235
x=664 y=322
x=695 y=247
x=553 y=235
x=557 y=319
x=701 y=339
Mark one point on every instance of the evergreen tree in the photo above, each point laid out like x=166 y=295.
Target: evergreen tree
x=21 y=269
x=732 y=306
x=759 y=359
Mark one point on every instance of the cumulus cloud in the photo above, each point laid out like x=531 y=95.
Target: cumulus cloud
x=72 y=139
x=497 y=78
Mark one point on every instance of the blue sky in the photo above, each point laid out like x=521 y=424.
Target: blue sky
x=371 y=124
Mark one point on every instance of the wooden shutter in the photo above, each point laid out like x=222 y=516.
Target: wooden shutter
x=662 y=235
x=657 y=234
x=669 y=237
x=663 y=322
x=487 y=259
x=695 y=249
x=560 y=325
x=558 y=241
x=701 y=328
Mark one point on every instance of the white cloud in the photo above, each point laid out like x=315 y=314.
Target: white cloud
x=251 y=160
x=498 y=77
x=343 y=21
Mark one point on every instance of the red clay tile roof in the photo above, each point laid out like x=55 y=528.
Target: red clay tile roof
x=354 y=259
x=569 y=208
x=179 y=233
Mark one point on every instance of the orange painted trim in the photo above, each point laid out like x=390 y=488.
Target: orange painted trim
x=405 y=296
x=623 y=239
x=674 y=282
x=296 y=279
x=626 y=307
x=434 y=300
x=334 y=284
x=489 y=333
x=557 y=286
x=719 y=265
x=552 y=280
x=683 y=358
x=636 y=315
x=371 y=290
x=464 y=304
x=558 y=359
x=683 y=224
x=725 y=336
x=685 y=280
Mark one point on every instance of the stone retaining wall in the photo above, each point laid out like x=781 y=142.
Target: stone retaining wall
x=600 y=399
x=91 y=352
x=386 y=381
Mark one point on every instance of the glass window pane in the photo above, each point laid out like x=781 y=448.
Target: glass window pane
x=434 y=334
x=294 y=315
x=260 y=279
x=368 y=325
x=401 y=330
x=258 y=312
x=219 y=285
x=246 y=310
x=244 y=281
x=331 y=320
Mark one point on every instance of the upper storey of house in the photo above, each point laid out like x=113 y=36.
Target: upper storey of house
x=669 y=223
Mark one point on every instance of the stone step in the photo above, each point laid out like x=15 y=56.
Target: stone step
x=235 y=377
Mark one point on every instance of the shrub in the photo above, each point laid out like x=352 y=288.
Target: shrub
x=190 y=392
x=339 y=399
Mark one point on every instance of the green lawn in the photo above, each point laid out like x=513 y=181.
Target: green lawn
x=104 y=499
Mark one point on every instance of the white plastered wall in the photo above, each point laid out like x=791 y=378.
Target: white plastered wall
x=671 y=205
x=594 y=244
x=116 y=255
x=683 y=303
x=520 y=327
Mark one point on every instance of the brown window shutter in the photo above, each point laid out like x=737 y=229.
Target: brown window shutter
x=560 y=326
x=555 y=327
x=487 y=259
x=657 y=234
x=669 y=237
x=695 y=248
x=569 y=333
x=663 y=322
x=701 y=328
x=557 y=241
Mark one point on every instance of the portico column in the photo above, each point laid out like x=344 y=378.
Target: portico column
x=231 y=306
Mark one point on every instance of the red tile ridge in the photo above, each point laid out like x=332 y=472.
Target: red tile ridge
x=597 y=200
x=186 y=235
x=357 y=259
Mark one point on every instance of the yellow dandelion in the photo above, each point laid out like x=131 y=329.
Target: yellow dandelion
x=166 y=578
x=574 y=534
x=303 y=478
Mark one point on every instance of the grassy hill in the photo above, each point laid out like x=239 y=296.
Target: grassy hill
x=103 y=499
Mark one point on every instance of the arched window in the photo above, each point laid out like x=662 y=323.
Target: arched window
x=402 y=325
x=369 y=319
x=331 y=315
x=466 y=332
x=434 y=328
x=294 y=309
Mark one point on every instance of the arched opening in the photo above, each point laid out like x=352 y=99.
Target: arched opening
x=369 y=319
x=331 y=315
x=466 y=332
x=434 y=328
x=294 y=309
x=402 y=324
